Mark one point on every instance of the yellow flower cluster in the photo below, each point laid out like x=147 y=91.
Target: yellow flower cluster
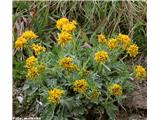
x=67 y=63
x=33 y=69
x=124 y=39
x=22 y=40
x=112 y=43
x=102 y=39
x=115 y=89
x=101 y=56
x=61 y=22
x=31 y=61
x=29 y=35
x=80 y=85
x=64 y=37
x=37 y=48
x=55 y=95
x=67 y=27
x=140 y=72
x=32 y=72
x=132 y=50
x=121 y=39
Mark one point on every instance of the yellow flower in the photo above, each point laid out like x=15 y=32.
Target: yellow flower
x=55 y=95
x=29 y=35
x=20 y=42
x=133 y=50
x=125 y=40
x=67 y=63
x=69 y=27
x=30 y=62
x=32 y=72
x=101 y=56
x=37 y=48
x=95 y=94
x=61 y=22
x=140 y=72
x=115 y=89
x=112 y=43
x=102 y=38
x=64 y=37
x=65 y=25
x=80 y=85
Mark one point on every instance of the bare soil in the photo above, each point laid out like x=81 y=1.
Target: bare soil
x=136 y=104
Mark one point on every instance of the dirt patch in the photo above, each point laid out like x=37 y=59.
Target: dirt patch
x=138 y=99
x=136 y=104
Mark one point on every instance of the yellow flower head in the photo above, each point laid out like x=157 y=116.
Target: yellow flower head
x=102 y=38
x=125 y=40
x=115 y=89
x=67 y=63
x=55 y=95
x=140 y=72
x=20 y=42
x=32 y=72
x=29 y=35
x=30 y=62
x=133 y=50
x=37 y=48
x=64 y=37
x=65 y=25
x=61 y=22
x=69 y=27
x=112 y=43
x=101 y=56
x=80 y=85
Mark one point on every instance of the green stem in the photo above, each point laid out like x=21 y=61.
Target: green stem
x=51 y=118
